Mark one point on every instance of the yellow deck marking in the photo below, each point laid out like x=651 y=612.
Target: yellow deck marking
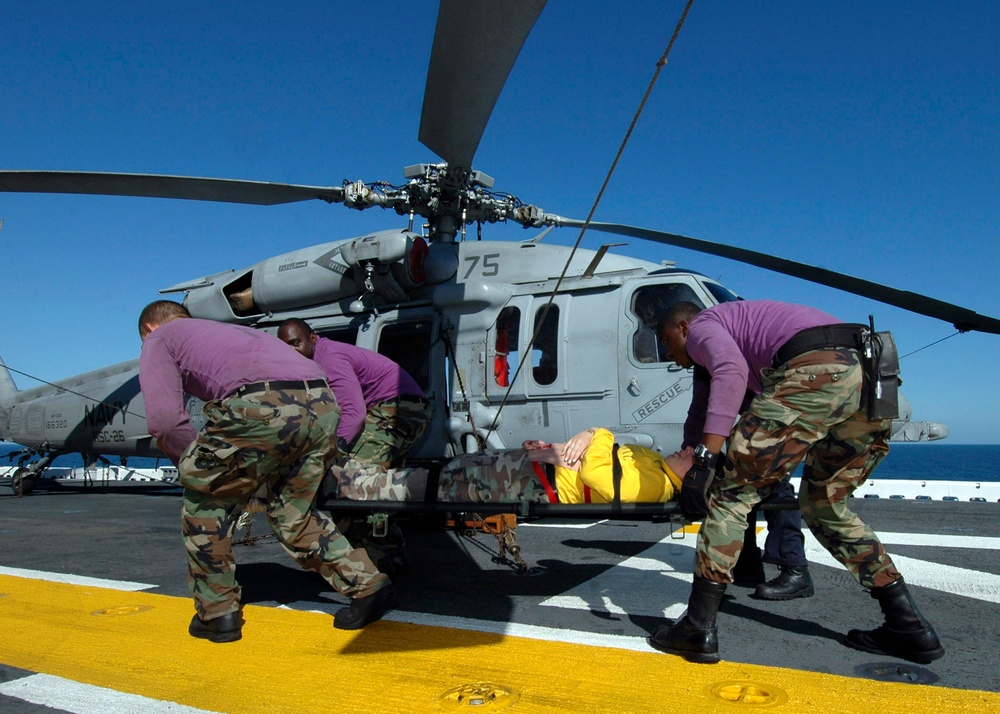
x=292 y=661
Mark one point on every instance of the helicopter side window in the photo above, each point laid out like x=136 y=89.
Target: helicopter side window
x=544 y=355
x=408 y=344
x=505 y=359
x=648 y=304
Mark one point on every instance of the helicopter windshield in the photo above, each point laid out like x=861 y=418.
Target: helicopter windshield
x=720 y=292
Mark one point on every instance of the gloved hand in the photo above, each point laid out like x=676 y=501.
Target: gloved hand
x=694 y=491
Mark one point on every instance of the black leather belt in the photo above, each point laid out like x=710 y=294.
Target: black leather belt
x=272 y=384
x=822 y=337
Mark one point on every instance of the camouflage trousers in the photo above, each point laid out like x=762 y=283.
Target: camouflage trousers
x=356 y=481
x=281 y=439
x=384 y=542
x=391 y=427
x=808 y=409
x=485 y=477
x=491 y=476
x=504 y=476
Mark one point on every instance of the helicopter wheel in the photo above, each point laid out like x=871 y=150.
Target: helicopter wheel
x=21 y=483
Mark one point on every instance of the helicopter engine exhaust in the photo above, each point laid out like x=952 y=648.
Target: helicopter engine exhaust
x=388 y=265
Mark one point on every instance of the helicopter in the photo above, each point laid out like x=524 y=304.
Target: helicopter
x=511 y=341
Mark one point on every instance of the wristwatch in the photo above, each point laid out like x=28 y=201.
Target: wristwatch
x=704 y=457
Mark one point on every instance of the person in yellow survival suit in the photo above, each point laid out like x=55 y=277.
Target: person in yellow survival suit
x=584 y=473
x=585 y=469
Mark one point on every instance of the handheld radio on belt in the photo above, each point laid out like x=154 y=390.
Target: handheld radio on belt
x=881 y=365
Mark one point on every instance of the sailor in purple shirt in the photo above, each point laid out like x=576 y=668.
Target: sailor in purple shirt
x=382 y=408
x=736 y=374
x=208 y=360
x=806 y=371
x=270 y=420
x=735 y=342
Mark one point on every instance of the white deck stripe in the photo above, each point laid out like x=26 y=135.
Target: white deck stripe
x=69 y=696
x=940 y=541
x=71 y=579
x=928 y=573
x=627 y=587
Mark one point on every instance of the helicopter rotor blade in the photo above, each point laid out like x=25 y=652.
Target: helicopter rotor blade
x=475 y=45
x=962 y=318
x=159 y=186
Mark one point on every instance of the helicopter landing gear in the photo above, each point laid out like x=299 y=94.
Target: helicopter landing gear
x=22 y=482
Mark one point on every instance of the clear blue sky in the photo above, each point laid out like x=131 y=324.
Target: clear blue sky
x=862 y=137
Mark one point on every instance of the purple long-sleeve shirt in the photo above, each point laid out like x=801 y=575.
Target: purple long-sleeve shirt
x=209 y=360
x=360 y=378
x=734 y=342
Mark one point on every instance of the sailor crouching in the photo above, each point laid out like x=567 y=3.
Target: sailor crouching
x=805 y=370
x=270 y=421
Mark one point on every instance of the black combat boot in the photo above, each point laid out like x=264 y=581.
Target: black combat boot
x=905 y=634
x=365 y=610
x=791 y=582
x=227 y=628
x=694 y=637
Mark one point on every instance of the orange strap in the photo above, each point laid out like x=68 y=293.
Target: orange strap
x=540 y=472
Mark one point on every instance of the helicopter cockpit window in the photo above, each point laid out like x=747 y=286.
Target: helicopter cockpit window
x=505 y=358
x=648 y=304
x=720 y=293
x=408 y=344
x=544 y=355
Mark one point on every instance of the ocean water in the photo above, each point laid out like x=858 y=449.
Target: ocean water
x=941 y=462
x=933 y=461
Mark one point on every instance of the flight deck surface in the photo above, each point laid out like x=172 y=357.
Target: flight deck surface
x=94 y=602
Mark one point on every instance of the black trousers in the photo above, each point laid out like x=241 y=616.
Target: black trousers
x=784 y=544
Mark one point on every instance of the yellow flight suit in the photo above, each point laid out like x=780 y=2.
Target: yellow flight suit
x=646 y=478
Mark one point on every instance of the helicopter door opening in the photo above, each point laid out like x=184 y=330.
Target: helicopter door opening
x=409 y=338
x=408 y=344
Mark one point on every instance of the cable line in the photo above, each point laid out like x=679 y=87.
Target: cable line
x=71 y=391
x=540 y=322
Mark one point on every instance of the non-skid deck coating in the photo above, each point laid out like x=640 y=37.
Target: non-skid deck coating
x=470 y=635
x=292 y=661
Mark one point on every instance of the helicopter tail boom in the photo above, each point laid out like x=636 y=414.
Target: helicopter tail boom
x=8 y=397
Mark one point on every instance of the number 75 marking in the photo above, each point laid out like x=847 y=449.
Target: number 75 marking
x=491 y=266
